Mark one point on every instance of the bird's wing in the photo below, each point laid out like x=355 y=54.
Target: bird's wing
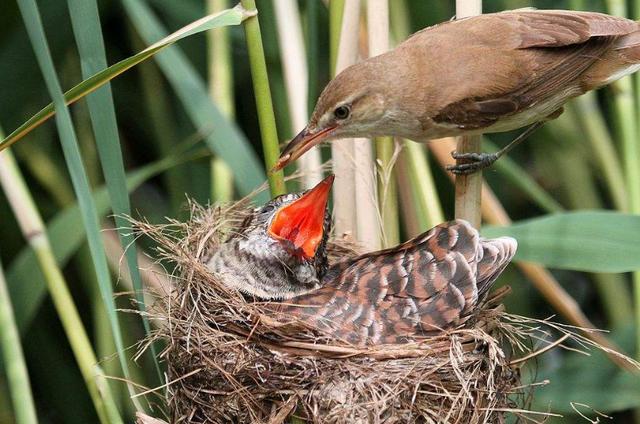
x=560 y=28
x=542 y=54
x=425 y=285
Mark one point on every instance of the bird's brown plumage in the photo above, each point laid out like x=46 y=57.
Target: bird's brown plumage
x=471 y=73
x=488 y=73
x=513 y=61
x=431 y=283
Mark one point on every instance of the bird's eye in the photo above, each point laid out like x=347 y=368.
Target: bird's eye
x=342 y=112
x=268 y=208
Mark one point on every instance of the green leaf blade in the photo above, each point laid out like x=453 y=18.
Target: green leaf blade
x=225 y=139
x=88 y=33
x=229 y=17
x=593 y=241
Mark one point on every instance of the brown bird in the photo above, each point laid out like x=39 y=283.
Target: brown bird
x=489 y=73
x=428 y=284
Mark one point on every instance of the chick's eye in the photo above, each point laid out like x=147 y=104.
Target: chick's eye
x=342 y=112
x=266 y=209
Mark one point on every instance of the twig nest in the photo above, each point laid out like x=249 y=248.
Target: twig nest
x=232 y=360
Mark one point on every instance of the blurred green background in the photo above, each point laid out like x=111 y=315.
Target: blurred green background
x=153 y=124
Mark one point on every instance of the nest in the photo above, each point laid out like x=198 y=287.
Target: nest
x=230 y=360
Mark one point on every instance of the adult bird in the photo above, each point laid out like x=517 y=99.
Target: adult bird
x=431 y=283
x=484 y=74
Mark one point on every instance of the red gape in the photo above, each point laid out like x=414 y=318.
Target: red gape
x=302 y=221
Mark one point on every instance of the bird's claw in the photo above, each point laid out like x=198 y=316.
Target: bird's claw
x=475 y=162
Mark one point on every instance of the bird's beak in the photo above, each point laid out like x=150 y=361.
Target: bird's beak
x=302 y=221
x=300 y=144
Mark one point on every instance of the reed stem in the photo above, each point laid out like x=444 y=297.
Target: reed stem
x=368 y=214
x=587 y=112
x=336 y=13
x=469 y=187
x=221 y=91
x=296 y=73
x=378 y=34
x=24 y=408
x=633 y=179
x=34 y=231
x=626 y=114
x=345 y=37
x=425 y=192
x=264 y=104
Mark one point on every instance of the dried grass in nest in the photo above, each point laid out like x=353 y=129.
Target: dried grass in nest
x=229 y=360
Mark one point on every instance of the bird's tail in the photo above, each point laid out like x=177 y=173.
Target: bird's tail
x=628 y=46
x=621 y=60
x=493 y=255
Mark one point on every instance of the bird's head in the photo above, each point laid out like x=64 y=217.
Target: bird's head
x=353 y=104
x=280 y=249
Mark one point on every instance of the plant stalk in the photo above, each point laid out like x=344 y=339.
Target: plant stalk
x=469 y=187
x=336 y=13
x=221 y=91
x=342 y=151
x=34 y=231
x=378 y=34
x=264 y=104
x=18 y=378
x=421 y=178
x=296 y=77
x=627 y=113
x=414 y=171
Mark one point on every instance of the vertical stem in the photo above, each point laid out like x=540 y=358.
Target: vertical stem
x=469 y=187
x=23 y=406
x=426 y=195
x=365 y=194
x=34 y=230
x=416 y=175
x=220 y=65
x=413 y=220
x=221 y=91
x=342 y=152
x=296 y=72
x=336 y=12
x=626 y=115
x=588 y=115
x=378 y=34
x=221 y=181
x=266 y=117
x=313 y=7
x=388 y=191
x=633 y=178
x=368 y=221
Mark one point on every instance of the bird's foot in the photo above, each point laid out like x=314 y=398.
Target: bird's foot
x=475 y=162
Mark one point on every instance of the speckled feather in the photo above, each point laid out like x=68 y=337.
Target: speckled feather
x=423 y=286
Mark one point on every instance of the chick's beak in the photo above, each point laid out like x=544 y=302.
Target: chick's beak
x=302 y=221
x=300 y=144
